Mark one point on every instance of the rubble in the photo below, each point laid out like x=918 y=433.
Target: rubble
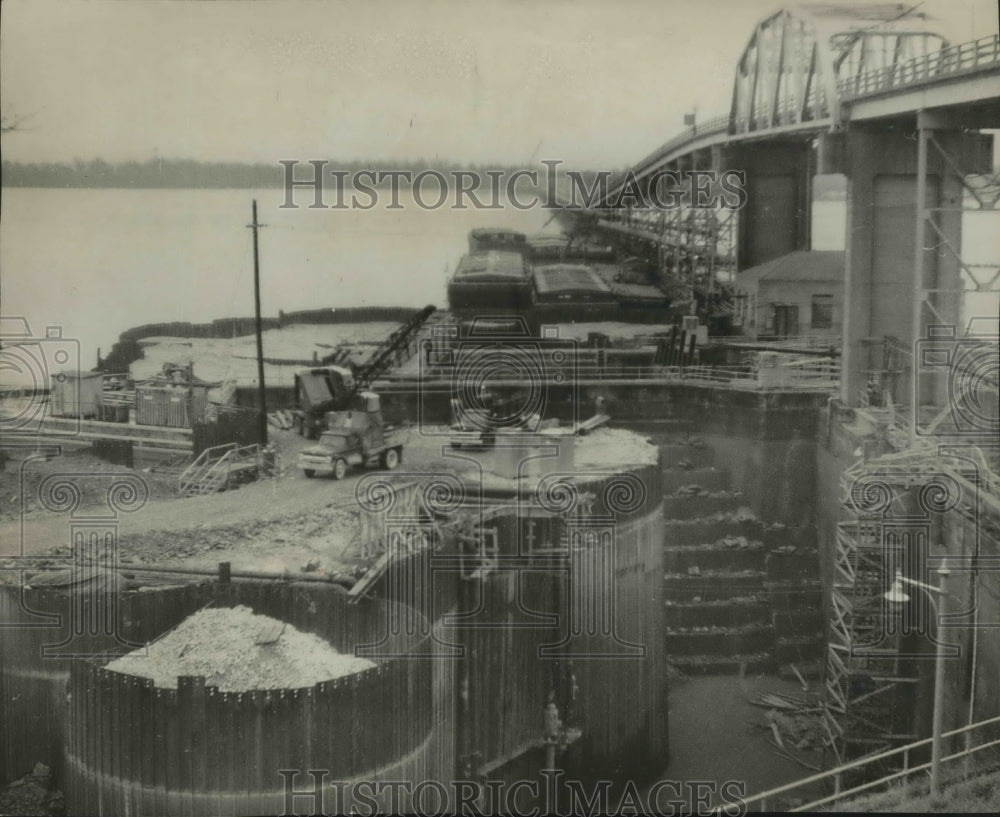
x=618 y=446
x=236 y=650
x=34 y=794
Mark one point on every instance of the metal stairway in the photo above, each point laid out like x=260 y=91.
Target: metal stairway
x=219 y=468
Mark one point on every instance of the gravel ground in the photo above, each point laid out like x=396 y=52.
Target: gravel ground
x=22 y=475
x=222 y=645
x=273 y=525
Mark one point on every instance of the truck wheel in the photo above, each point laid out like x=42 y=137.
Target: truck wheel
x=340 y=468
x=390 y=459
x=309 y=472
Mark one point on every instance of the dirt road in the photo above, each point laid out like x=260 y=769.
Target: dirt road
x=272 y=525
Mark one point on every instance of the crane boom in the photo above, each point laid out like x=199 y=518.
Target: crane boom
x=385 y=355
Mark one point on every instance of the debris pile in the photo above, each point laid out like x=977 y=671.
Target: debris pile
x=795 y=726
x=280 y=419
x=236 y=650
x=33 y=794
x=691 y=490
x=609 y=447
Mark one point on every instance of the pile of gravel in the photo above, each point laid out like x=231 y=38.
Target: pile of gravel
x=237 y=650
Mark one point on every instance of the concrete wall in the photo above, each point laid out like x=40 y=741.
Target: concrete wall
x=972 y=678
x=969 y=531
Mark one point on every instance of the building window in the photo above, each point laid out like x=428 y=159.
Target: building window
x=822 y=311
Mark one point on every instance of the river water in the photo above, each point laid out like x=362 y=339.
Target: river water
x=98 y=261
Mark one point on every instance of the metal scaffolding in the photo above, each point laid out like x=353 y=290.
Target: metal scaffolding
x=863 y=674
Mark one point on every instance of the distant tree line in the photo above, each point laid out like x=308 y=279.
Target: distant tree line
x=189 y=173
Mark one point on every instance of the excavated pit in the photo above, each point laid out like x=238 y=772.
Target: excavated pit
x=740 y=592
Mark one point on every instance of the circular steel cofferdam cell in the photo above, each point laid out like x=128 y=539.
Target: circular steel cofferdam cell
x=568 y=612
x=132 y=747
x=40 y=631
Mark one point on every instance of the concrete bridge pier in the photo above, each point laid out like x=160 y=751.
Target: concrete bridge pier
x=776 y=219
x=891 y=289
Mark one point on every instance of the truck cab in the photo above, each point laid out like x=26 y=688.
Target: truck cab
x=317 y=392
x=354 y=437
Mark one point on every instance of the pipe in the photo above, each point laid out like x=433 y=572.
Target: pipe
x=219 y=572
x=235 y=574
x=918 y=263
x=258 y=329
x=938 y=687
x=972 y=671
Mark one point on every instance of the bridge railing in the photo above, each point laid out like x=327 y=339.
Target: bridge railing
x=954 y=59
x=717 y=124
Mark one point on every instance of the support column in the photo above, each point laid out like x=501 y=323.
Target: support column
x=885 y=226
x=776 y=219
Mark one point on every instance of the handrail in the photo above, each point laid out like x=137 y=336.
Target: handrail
x=206 y=462
x=717 y=124
x=814 y=376
x=945 y=62
x=861 y=762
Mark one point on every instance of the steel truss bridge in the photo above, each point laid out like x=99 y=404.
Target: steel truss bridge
x=876 y=94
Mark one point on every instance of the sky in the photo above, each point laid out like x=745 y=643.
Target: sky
x=596 y=84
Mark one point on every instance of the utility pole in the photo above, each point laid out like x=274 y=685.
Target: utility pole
x=261 y=394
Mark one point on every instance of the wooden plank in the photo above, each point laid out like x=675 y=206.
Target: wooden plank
x=118 y=699
x=279 y=725
x=146 y=777
x=132 y=762
x=72 y=423
x=218 y=757
x=339 y=717
x=171 y=758
x=70 y=437
x=197 y=713
x=106 y=749
x=254 y=759
x=183 y=760
x=159 y=754
x=242 y=729
x=78 y=733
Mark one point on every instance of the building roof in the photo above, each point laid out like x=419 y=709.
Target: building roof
x=491 y=265
x=802 y=265
x=548 y=240
x=569 y=278
x=497 y=232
